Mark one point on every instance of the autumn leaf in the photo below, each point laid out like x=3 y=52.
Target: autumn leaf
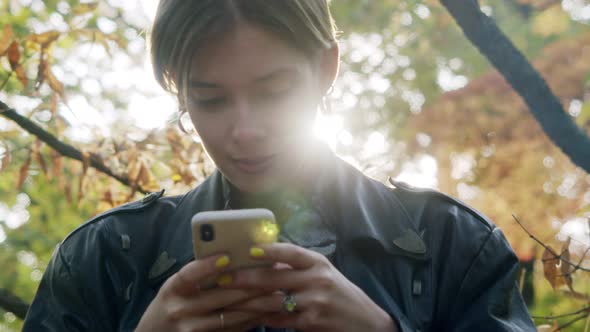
x=54 y=83
x=553 y=269
x=566 y=268
x=6 y=39
x=552 y=21
x=21 y=76
x=53 y=104
x=5 y=158
x=176 y=178
x=85 y=8
x=14 y=55
x=41 y=71
x=44 y=39
x=39 y=157
x=23 y=173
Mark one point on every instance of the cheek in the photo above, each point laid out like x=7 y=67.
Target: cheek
x=211 y=129
x=297 y=116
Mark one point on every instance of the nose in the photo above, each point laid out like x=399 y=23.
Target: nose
x=248 y=127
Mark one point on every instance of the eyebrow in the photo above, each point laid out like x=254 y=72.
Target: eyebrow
x=262 y=79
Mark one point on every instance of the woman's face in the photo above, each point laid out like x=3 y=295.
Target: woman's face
x=252 y=99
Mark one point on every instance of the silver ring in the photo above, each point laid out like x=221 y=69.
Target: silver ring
x=289 y=303
x=222 y=319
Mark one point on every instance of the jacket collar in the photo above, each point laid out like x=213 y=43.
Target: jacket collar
x=361 y=211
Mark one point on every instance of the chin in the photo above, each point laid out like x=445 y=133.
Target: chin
x=253 y=184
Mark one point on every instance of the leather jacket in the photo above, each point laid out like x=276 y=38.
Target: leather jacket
x=431 y=262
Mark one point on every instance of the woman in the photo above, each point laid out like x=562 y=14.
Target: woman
x=363 y=257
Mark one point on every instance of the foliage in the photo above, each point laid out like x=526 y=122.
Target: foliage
x=408 y=76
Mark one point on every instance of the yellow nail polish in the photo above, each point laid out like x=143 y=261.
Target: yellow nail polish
x=256 y=252
x=224 y=280
x=222 y=261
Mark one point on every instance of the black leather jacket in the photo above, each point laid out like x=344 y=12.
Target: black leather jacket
x=431 y=262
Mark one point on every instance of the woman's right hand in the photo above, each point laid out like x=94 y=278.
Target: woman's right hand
x=181 y=306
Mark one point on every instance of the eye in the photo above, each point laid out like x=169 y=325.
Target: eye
x=210 y=103
x=277 y=94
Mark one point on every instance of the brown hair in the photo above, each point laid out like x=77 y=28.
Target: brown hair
x=181 y=26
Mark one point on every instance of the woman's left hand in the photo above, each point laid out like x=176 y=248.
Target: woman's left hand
x=325 y=299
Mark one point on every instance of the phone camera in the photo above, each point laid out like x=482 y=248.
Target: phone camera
x=207 y=233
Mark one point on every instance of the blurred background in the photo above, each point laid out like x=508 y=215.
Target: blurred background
x=415 y=101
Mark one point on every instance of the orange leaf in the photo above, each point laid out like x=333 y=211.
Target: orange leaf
x=107 y=197
x=14 y=55
x=6 y=38
x=39 y=157
x=56 y=162
x=23 y=173
x=53 y=104
x=20 y=74
x=45 y=39
x=85 y=8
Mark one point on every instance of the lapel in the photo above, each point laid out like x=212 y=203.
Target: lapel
x=363 y=211
x=176 y=248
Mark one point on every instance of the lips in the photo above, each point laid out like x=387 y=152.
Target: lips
x=254 y=165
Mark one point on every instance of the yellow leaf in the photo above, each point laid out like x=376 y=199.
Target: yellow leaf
x=6 y=39
x=46 y=38
x=85 y=8
x=54 y=83
x=552 y=21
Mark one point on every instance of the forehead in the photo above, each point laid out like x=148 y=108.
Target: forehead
x=243 y=54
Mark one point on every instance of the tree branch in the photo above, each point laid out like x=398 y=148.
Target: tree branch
x=13 y=303
x=584 y=309
x=556 y=256
x=62 y=148
x=483 y=32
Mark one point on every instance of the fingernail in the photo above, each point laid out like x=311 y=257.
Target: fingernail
x=256 y=252
x=224 y=280
x=222 y=261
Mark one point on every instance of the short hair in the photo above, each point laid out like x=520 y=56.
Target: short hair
x=181 y=26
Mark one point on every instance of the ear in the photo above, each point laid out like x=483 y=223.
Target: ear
x=329 y=66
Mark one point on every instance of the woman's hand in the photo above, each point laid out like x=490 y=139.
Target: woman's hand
x=181 y=306
x=325 y=299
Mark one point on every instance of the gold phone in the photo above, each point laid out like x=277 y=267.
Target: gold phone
x=232 y=232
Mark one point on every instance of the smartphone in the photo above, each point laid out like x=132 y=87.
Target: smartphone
x=232 y=232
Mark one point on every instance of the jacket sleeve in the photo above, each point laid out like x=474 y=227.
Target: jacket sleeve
x=58 y=304
x=488 y=297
